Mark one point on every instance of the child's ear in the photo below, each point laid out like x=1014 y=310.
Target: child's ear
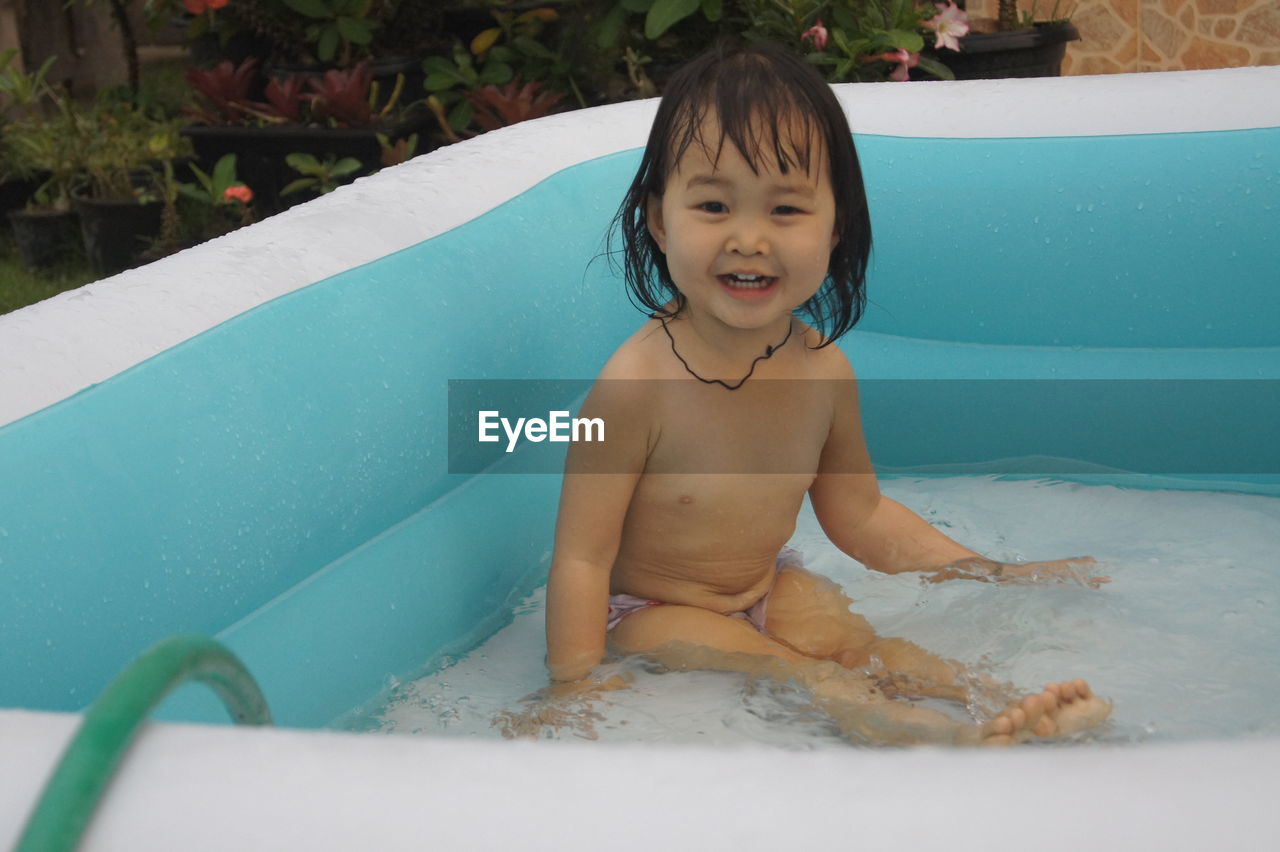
x=653 y=220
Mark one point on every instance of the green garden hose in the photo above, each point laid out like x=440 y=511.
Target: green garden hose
x=72 y=792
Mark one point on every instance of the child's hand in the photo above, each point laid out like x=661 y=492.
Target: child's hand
x=561 y=705
x=1078 y=569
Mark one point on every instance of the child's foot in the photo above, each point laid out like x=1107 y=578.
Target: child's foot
x=1062 y=709
x=1074 y=709
x=1017 y=722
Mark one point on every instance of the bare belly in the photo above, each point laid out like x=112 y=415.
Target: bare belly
x=706 y=543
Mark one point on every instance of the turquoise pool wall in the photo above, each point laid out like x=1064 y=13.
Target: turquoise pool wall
x=281 y=478
x=1154 y=241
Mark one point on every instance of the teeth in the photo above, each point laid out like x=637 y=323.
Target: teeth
x=748 y=281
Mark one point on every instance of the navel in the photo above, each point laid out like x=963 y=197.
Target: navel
x=686 y=499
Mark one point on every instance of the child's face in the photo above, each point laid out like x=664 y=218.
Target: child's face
x=718 y=221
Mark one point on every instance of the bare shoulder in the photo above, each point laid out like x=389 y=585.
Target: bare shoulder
x=639 y=356
x=826 y=362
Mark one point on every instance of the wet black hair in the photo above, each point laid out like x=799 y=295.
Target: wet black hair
x=758 y=93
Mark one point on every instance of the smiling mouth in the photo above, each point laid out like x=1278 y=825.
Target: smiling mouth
x=746 y=282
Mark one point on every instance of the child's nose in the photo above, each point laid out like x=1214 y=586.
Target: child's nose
x=748 y=236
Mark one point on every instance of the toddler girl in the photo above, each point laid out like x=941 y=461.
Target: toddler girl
x=725 y=408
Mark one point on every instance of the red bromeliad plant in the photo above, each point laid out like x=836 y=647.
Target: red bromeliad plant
x=511 y=104
x=222 y=92
x=286 y=98
x=339 y=98
x=343 y=96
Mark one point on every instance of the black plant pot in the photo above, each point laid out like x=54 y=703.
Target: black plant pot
x=1032 y=52
x=261 y=151
x=117 y=233
x=15 y=192
x=46 y=238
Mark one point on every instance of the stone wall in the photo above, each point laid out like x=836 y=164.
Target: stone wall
x=1163 y=35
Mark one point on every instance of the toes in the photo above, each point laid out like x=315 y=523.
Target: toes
x=1033 y=706
x=1047 y=725
x=1082 y=688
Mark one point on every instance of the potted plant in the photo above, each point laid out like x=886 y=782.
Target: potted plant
x=41 y=156
x=215 y=203
x=1010 y=46
x=528 y=62
x=857 y=40
x=336 y=114
x=849 y=40
x=309 y=37
x=122 y=204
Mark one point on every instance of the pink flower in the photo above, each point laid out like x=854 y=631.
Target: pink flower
x=817 y=34
x=905 y=61
x=238 y=192
x=950 y=23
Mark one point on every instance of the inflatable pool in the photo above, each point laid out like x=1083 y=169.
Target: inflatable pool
x=251 y=440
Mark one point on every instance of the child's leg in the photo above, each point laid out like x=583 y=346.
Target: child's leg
x=684 y=637
x=810 y=614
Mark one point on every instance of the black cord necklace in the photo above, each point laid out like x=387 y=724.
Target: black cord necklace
x=768 y=353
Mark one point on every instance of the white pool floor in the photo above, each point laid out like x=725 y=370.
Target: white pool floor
x=1184 y=639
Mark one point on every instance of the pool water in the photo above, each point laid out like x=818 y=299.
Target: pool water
x=1183 y=639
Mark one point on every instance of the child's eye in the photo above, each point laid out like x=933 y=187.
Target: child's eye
x=712 y=207
x=786 y=210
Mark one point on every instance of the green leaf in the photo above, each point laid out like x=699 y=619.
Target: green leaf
x=843 y=18
x=899 y=9
x=460 y=115
x=299 y=185
x=356 y=30
x=496 y=73
x=611 y=28
x=438 y=82
x=327 y=46
x=205 y=180
x=344 y=167
x=911 y=42
x=305 y=163
x=224 y=174
x=195 y=193
x=531 y=47
x=841 y=42
x=438 y=65
x=310 y=8
x=637 y=5
x=667 y=13
x=713 y=9
x=936 y=68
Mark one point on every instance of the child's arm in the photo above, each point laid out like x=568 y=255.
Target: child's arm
x=886 y=536
x=599 y=481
